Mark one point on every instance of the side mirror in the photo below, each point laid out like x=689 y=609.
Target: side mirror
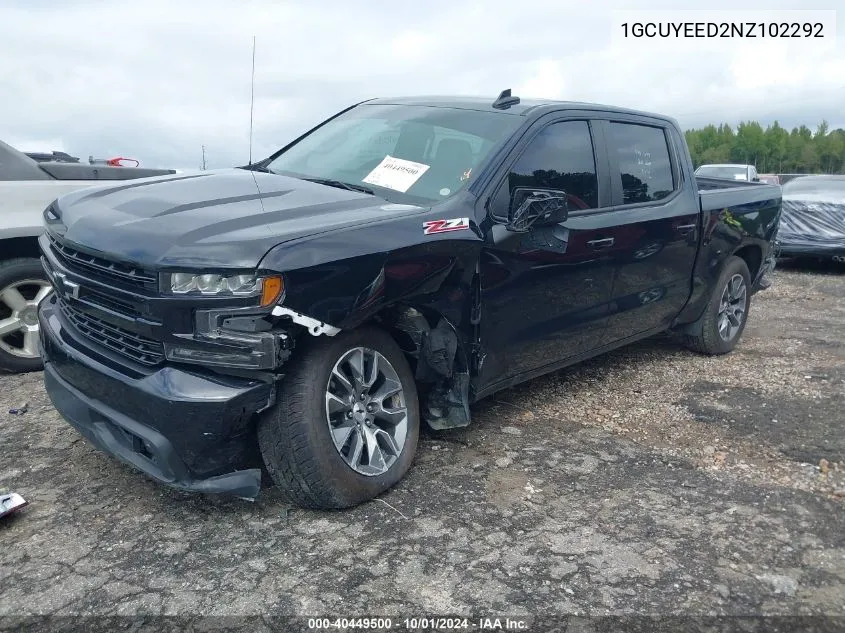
x=536 y=207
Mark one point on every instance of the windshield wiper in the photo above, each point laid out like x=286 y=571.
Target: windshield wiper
x=341 y=185
x=256 y=167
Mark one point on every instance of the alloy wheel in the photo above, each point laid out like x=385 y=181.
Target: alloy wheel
x=19 y=316
x=732 y=307
x=366 y=411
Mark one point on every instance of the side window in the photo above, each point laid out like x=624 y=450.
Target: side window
x=644 y=163
x=559 y=157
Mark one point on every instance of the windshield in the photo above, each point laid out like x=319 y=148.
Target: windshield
x=722 y=171
x=407 y=154
x=834 y=187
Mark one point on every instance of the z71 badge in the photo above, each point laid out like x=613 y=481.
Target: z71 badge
x=445 y=226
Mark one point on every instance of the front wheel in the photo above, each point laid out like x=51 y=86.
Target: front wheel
x=724 y=319
x=346 y=424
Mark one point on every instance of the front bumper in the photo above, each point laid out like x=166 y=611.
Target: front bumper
x=188 y=429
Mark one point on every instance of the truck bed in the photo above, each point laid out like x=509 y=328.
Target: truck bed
x=717 y=193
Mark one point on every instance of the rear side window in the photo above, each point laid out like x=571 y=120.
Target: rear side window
x=644 y=164
x=560 y=157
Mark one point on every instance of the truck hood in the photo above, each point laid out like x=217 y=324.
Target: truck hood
x=225 y=219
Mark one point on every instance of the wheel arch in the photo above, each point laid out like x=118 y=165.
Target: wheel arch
x=439 y=356
x=15 y=247
x=752 y=255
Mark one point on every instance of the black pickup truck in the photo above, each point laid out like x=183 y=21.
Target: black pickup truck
x=300 y=317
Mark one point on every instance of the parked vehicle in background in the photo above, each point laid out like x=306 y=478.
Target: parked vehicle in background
x=785 y=178
x=402 y=260
x=770 y=179
x=28 y=183
x=813 y=219
x=728 y=172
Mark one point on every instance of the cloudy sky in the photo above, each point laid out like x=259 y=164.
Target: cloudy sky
x=156 y=80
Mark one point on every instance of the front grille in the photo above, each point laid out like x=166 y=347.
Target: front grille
x=108 y=302
x=139 y=348
x=86 y=264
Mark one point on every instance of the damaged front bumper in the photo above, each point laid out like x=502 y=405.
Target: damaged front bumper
x=189 y=429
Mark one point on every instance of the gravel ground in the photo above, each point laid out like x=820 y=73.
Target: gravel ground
x=647 y=481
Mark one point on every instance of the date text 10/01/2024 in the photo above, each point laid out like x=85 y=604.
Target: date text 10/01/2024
x=425 y=624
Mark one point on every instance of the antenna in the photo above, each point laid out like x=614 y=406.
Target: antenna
x=505 y=100
x=203 y=157
x=251 y=99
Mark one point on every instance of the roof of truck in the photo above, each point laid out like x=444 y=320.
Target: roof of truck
x=525 y=107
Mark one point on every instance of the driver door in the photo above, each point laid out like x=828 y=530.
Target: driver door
x=546 y=292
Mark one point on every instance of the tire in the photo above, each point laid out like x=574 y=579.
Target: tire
x=19 y=346
x=711 y=336
x=294 y=437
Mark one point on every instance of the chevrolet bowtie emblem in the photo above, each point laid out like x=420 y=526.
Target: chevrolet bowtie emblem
x=65 y=287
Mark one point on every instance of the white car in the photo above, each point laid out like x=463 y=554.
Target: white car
x=729 y=171
x=27 y=187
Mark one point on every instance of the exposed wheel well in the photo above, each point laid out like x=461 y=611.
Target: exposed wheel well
x=406 y=324
x=439 y=360
x=753 y=256
x=19 y=247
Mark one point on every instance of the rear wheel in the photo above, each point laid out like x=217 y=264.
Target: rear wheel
x=346 y=424
x=22 y=287
x=724 y=319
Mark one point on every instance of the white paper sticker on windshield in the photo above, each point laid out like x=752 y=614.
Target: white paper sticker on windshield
x=396 y=173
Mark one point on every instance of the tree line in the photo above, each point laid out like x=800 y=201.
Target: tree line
x=771 y=150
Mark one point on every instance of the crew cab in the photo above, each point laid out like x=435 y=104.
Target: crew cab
x=305 y=314
x=28 y=183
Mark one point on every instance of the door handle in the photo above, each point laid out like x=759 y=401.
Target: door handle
x=686 y=228
x=603 y=243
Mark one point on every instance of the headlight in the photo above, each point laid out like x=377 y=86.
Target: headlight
x=269 y=288
x=183 y=283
